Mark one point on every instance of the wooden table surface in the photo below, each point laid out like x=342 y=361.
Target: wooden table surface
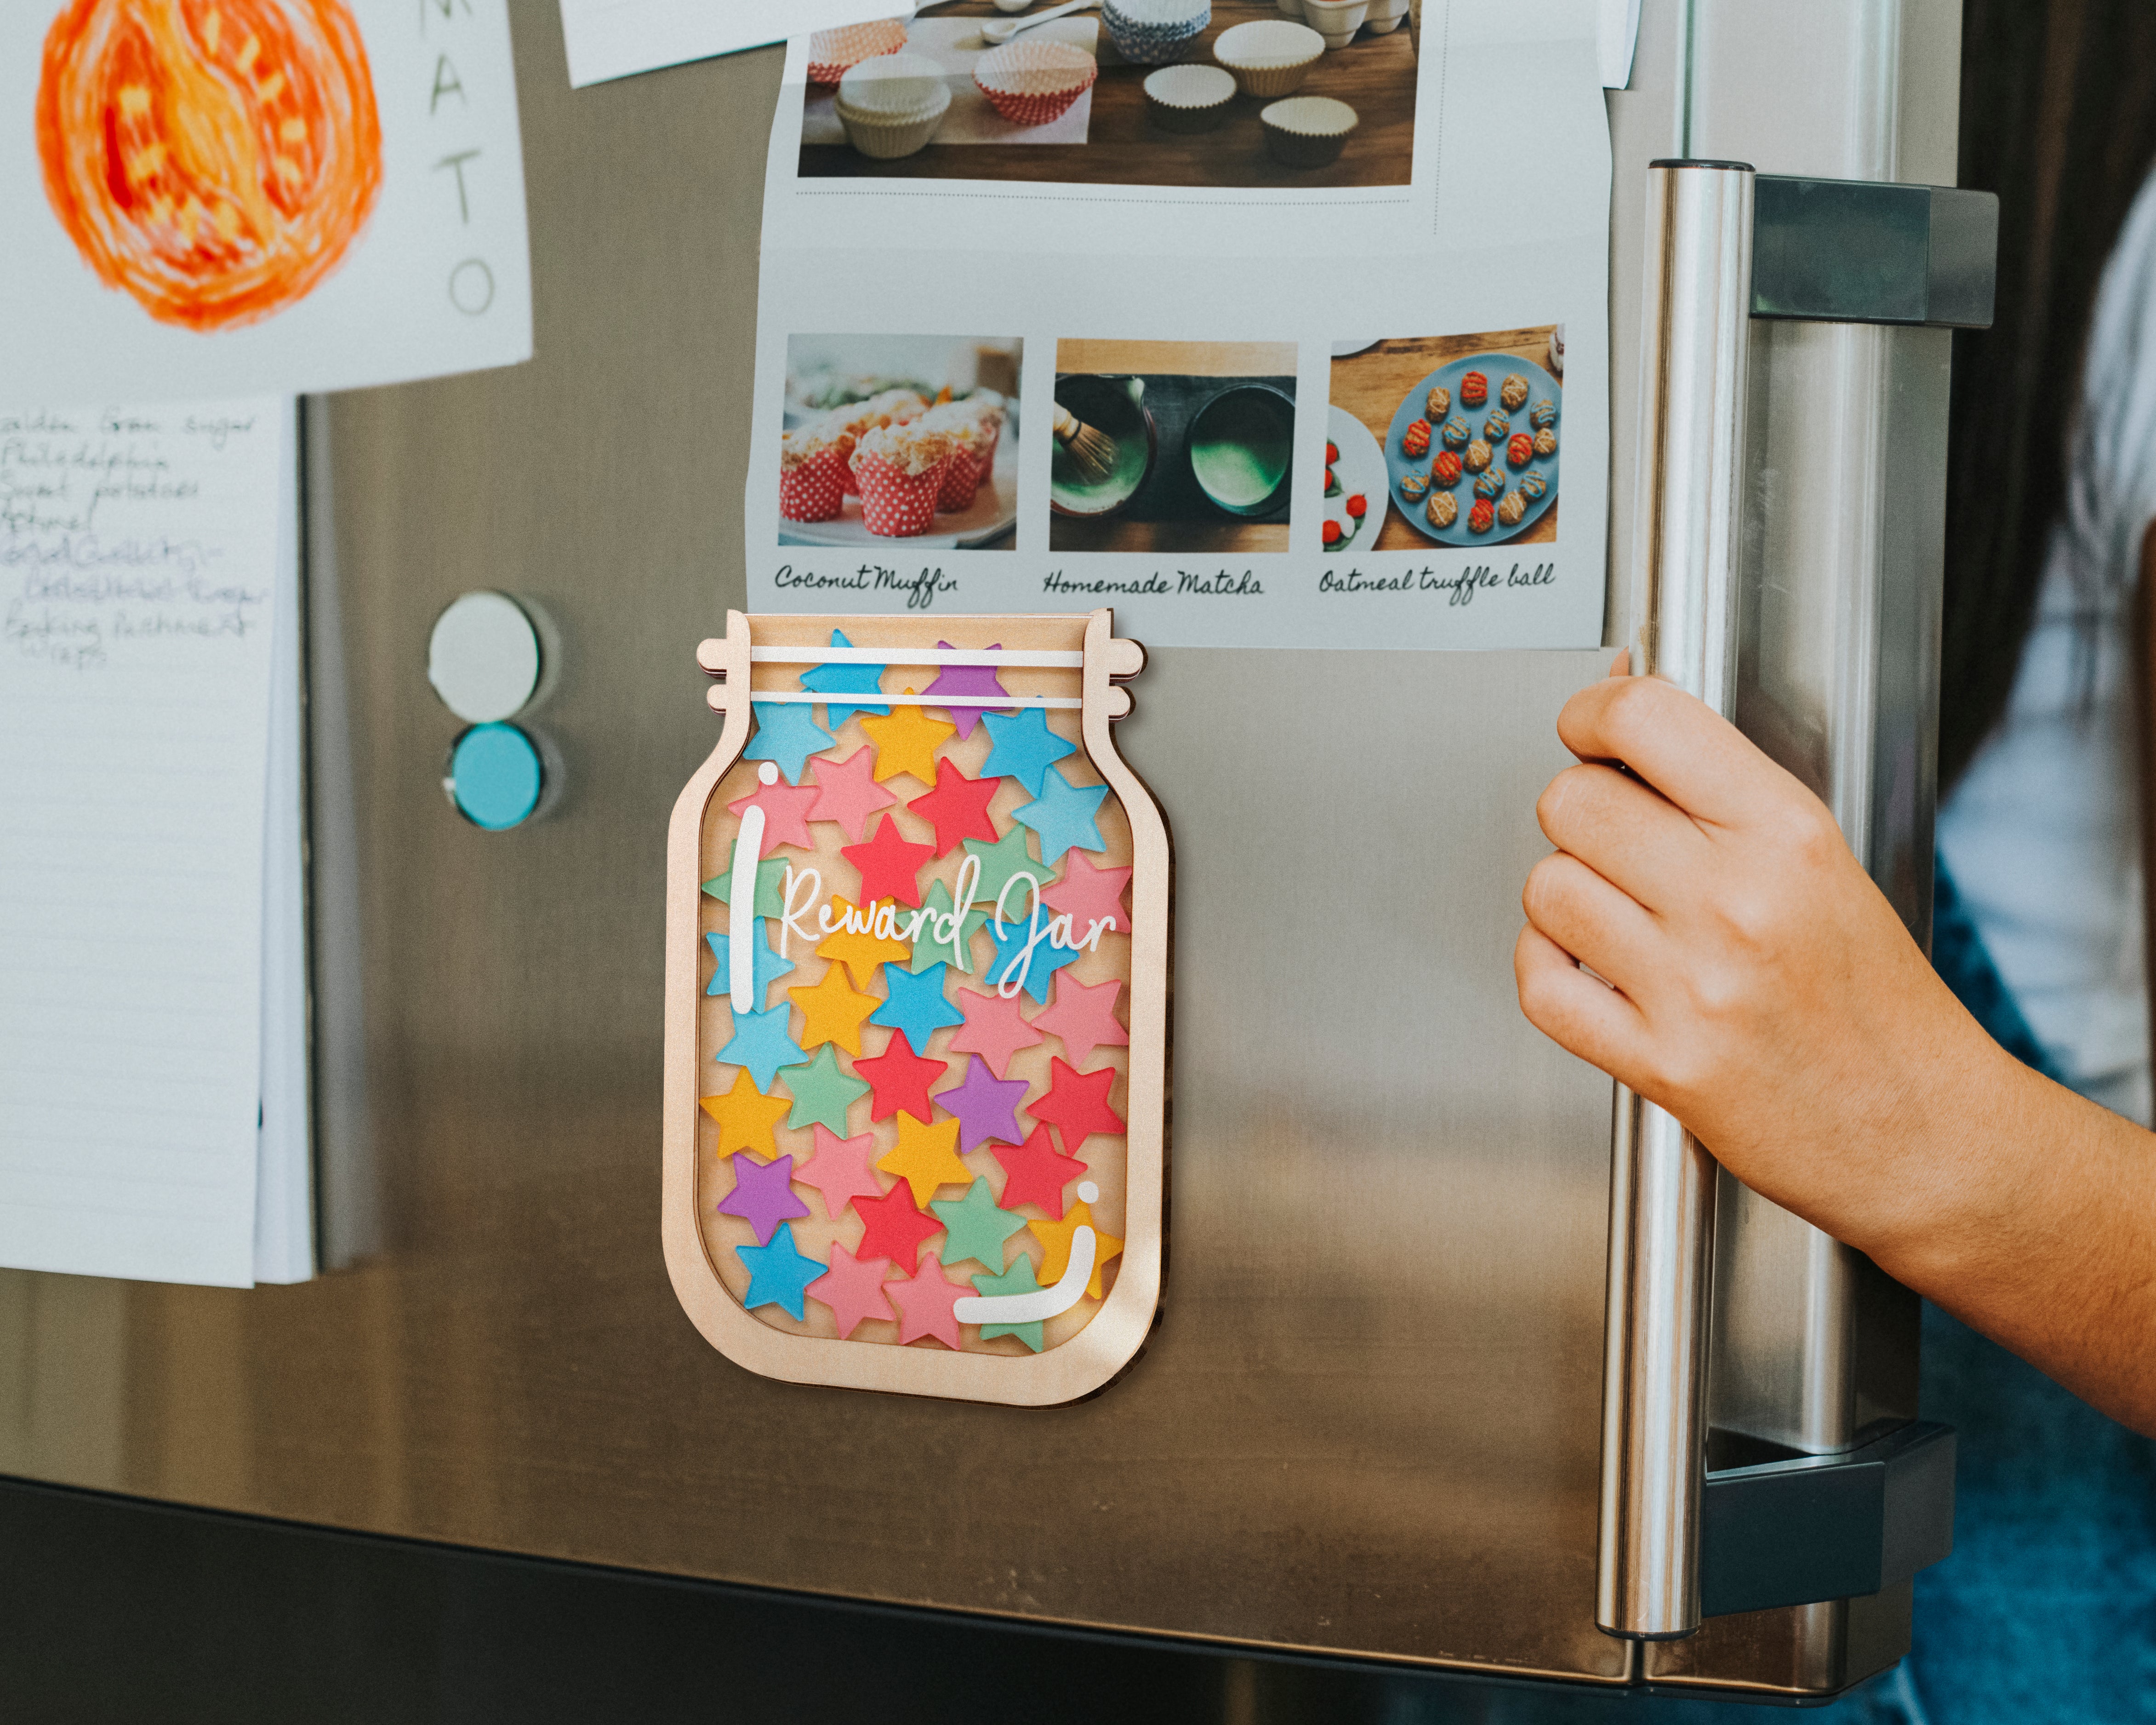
x=1374 y=74
x=1371 y=386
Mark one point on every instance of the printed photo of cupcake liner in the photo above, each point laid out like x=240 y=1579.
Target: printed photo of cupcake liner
x=1189 y=99
x=896 y=504
x=832 y=54
x=962 y=474
x=1031 y=83
x=890 y=105
x=1307 y=131
x=1269 y=57
x=814 y=490
x=1155 y=32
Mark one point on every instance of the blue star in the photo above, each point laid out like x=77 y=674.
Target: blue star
x=779 y=1273
x=845 y=680
x=1047 y=958
x=765 y=967
x=1022 y=746
x=762 y=1042
x=1064 y=814
x=916 y=1005
x=788 y=734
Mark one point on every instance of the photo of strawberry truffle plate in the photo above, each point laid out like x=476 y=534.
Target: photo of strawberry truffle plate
x=1475 y=381
x=1355 y=486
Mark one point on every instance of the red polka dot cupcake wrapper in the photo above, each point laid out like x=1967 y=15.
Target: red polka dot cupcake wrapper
x=962 y=474
x=896 y=504
x=815 y=490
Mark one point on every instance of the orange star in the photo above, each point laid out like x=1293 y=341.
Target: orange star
x=1055 y=1238
x=926 y=1157
x=906 y=743
x=859 y=952
x=746 y=1116
x=832 y=1012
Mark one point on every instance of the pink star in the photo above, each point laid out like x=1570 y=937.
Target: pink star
x=1088 y=895
x=927 y=1304
x=852 y=1288
x=847 y=793
x=839 y=1170
x=785 y=814
x=1084 y=1018
x=994 y=1030
x=966 y=679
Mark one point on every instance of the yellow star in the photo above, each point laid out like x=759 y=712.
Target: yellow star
x=861 y=953
x=925 y=1157
x=1055 y=1238
x=746 y=1116
x=832 y=1012
x=906 y=743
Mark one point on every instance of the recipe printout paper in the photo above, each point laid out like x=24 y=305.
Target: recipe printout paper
x=614 y=39
x=205 y=202
x=1499 y=225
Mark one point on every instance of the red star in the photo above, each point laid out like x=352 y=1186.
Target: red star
x=896 y=1227
x=889 y=864
x=958 y=808
x=785 y=814
x=1035 y=1171
x=1087 y=895
x=927 y=1305
x=1076 y=1104
x=901 y=1079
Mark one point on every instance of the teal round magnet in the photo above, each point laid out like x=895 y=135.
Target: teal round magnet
x=495 y=776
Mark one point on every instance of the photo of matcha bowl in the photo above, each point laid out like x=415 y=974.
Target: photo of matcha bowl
x=1096 y=469
x=1241 y=450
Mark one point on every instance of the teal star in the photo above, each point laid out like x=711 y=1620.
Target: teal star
x=1021 y=746
x=977 y=1227
x=1047 y=958
x=788 y=734
x=916 y=1005
x=822 y=1093
x=1008 y=855
x=770 y=876
x=927 y=950
x=1018 y=1279
x=779 y=1273
x=1064 y=814
x=845 y=680
x=765 y=967
x=762 y=1042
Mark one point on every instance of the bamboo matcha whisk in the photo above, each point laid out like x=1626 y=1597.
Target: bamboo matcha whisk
x=1093 y=453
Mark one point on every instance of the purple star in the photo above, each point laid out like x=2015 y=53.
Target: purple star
x=762 y=1195
x=966 y=679
x=986 y=1107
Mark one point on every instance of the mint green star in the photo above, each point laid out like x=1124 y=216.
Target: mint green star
x=927 y=950
x=770 y=900
x=821 y=1092
x=977 y=1227
x=1007 y=857
x=1018 y=1279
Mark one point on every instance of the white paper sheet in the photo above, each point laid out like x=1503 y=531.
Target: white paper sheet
x=437 y=280
x=139 y=560
x=614 y=39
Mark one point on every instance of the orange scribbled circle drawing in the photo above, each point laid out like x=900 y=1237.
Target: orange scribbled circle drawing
x=215 y=158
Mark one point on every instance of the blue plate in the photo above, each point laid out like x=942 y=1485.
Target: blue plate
x=1495 y=367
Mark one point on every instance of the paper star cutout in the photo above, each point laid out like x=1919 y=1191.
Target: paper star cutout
x=986 y=1107
x=916 y=1005
x=902 y=1079
x=785 y=814
x=852 y=1288
x=821 y=1092
x=832 y=1012
x=967 y=680
x=763 y=1044
x=770 y=899
x=1010 y=855
x=1018 y=1279
x=746 y=1116
x=839 y=1170
x=762 y=1195
x=925 y=1158
x=1036 y=1172
x=977 y=1227
x=958 y=808
x=906 y=743
x=1088 y=893
x=778 y=1274
x=927 y=1304
x=994 y=1030
x=845 y=680
x=1084 y=1018
x=1076 y=1104
x=765 y=967
x=1037 y=966
x=927 y=950
x=893 y=1227
x=847 y=793
x=786 y=734
x=889 y=864
x=1022 y=746
x=860 y=953
x=1063 y=814
x=1055 y=1238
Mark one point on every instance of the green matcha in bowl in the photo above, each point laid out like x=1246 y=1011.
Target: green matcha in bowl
x=1241 y=448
